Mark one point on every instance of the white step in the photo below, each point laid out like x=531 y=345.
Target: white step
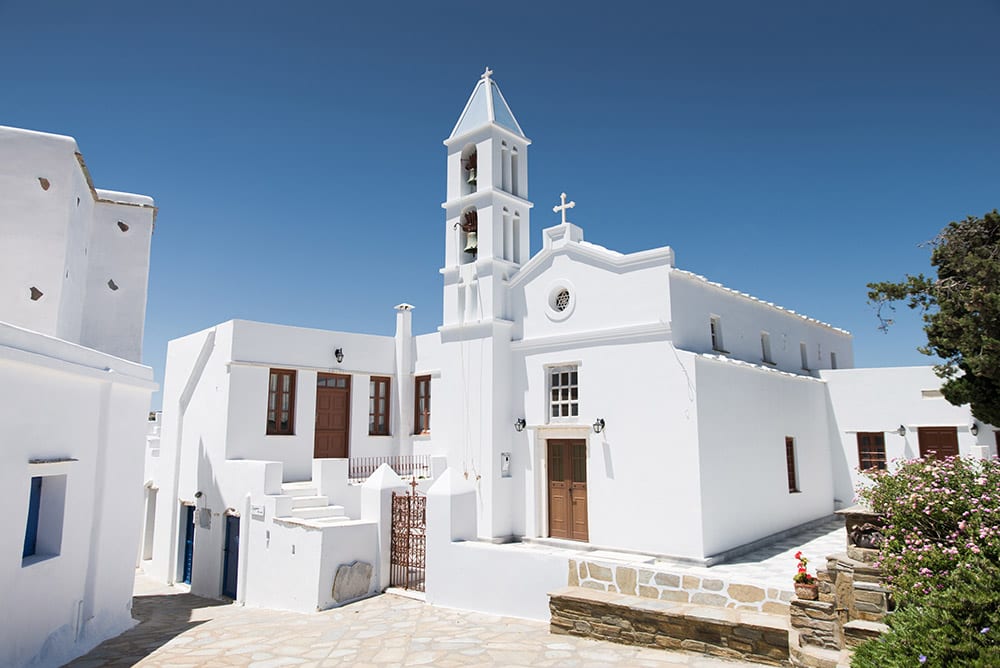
x=320 y=523
x=327 y=521
x=299 y=489
x=310 y=501
x=317 y=512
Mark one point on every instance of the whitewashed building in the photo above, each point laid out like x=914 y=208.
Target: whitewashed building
x=74 y=398
x=575 y=394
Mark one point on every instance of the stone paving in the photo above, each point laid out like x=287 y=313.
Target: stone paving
x=775 y=563
x=178 y=630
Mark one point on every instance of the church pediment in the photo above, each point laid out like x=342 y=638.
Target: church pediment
x=563 y=240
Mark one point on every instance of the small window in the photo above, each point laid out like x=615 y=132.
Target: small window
x=871 y=451
x=378 y=406
x=804 y=354
x=422 y=405
x=31 y=531
x=281 y=403
x=793 y=484
x=44 y=526
x=833 y=360
x=564 y=393
x=335 y=381
x=715 y=327
x=765 y=348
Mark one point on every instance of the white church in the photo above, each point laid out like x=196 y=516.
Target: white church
x=583 y=397
x=574 y=400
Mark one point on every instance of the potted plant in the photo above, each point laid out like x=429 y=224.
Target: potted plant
x=806 y=587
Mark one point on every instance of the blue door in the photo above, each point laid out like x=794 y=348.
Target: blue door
x=231 y=556
x=188 y=543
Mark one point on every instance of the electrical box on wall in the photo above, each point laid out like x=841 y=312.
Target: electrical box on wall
x=504 y=464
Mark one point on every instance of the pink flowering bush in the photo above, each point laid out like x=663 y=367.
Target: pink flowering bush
x=940 y=559
x=939 y=516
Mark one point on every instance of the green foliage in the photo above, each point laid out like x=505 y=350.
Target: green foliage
x=956 y=626
x=961 y=309
x=940 y=559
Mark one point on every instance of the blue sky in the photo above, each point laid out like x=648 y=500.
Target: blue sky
x=794 y=150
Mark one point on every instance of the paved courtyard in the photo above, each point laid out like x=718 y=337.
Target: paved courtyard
x=179 y=630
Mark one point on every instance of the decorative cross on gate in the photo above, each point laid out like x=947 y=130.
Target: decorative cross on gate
x=562 y=207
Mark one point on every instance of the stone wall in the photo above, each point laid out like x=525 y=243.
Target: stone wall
x=853 y=600
x=655 y=583
x=633 y=620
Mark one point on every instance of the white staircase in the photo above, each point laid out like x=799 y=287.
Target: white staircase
x=309 y=508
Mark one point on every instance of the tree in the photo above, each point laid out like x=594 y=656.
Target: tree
x=961 y=309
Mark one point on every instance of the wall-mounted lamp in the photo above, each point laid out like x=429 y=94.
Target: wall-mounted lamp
x=519 y=424
x=339 y=354
x=901 y=431
x=598 y=425
x=974 y=429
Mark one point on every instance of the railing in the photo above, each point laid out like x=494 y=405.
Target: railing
x=405 y=466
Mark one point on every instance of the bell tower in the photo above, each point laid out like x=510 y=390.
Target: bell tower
x=486 y=211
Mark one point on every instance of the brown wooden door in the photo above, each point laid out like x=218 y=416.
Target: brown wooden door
x=942 y=441
x=567 y=465
x=333 y=404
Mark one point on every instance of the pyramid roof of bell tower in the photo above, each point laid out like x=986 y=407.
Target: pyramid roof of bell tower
x=486 y=105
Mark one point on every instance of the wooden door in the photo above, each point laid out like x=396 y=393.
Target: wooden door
x=567 y=466
x=333 y=408
x=942 y=441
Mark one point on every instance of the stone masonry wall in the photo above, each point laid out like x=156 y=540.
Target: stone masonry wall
x=632 y=620
x=656 y=583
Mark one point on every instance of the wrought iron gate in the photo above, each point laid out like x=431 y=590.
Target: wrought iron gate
x=409 y=540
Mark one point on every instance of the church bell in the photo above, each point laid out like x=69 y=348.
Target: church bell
x=472 y=176
x=471 y=243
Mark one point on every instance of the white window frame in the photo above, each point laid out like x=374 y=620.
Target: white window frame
x=570 y=403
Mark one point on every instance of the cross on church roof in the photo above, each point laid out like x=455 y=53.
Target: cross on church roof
x=562 y=207
x=486 y=75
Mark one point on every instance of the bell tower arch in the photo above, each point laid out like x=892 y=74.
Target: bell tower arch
x=487 y=212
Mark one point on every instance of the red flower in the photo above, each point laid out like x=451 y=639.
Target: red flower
x=798 y=555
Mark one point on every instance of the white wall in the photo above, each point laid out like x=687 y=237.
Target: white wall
x=88 y=410
x=882 y=399
x=34 y=225
x=195 y=400
x=602 y=295
x=64 y=240
x=293 y=568
x=694 y=300
x=744 y=415
x=642 y=470
x=258 y=347
x=504 y=580
x=113 y=320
